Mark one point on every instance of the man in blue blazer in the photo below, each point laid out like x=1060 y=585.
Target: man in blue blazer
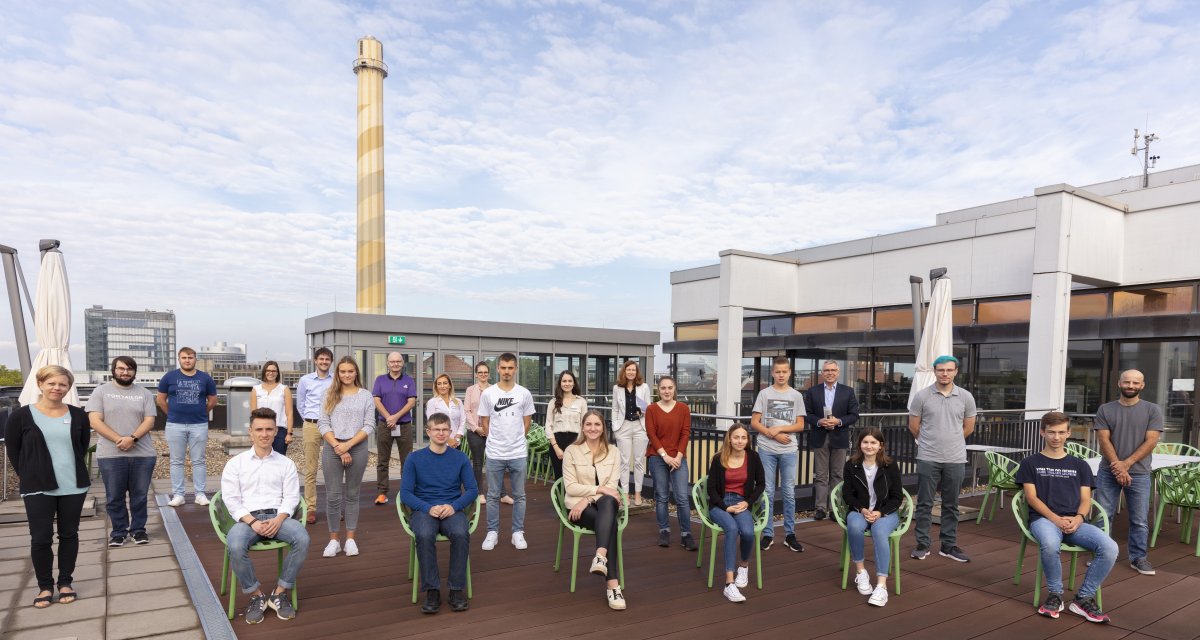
x=831 y=407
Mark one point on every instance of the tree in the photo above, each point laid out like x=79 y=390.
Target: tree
x=10 y=377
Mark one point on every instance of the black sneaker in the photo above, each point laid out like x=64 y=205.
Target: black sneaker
x=1052 y=606
x=282 y=605
x=116 y=541
x=141 y=538
x=792 y=543
x=458 y=600
x=257 y=609
x=766 y=542
x=433 y=601
x=920 y=553
x=954 y=553
x=689 y=543
x=1088 y=609
x=820 y=514
x=664 y=538
x=1142 y=566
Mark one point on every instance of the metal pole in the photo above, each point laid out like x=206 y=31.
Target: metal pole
x=914 y=282
x=14 y=304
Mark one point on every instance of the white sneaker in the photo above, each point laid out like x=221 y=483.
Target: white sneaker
x=878 y=596
x=616 y=599
x=732 y=594
x=176 y=501
x=490 y=540
x=743 y=577
x=351 y=547
x=332 y=549
x=863 y=581
x=518 y=540
x=201 y=499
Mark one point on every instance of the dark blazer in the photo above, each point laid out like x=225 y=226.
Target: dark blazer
x=889 y=489
x=31 y=459
x=756 y=480
x=845 y=408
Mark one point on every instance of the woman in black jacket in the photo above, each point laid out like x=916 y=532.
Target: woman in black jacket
x=873 y=493
x=47 y=442
x=735 y=484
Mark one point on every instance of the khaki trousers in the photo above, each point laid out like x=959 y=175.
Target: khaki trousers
x=312 y=456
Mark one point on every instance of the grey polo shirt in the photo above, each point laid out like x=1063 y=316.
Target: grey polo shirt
x=941 y=438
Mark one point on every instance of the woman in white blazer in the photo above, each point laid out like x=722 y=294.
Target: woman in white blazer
x=631 y=396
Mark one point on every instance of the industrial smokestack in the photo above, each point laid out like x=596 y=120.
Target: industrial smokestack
x=372 y=279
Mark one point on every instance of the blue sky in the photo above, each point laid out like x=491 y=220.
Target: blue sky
x=547 y=161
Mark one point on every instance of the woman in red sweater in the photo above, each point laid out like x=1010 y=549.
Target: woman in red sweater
x=668 y=425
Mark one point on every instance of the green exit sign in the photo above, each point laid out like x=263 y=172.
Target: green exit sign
x=396 y=339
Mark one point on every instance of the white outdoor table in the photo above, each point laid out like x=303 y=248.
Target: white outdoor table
x=1158 y=461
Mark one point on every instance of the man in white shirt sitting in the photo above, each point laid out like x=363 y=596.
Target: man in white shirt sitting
x=261 y=489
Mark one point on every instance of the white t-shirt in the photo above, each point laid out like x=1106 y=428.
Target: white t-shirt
x=506 y=413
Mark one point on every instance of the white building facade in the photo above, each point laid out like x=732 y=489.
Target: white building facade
x=1054 y=294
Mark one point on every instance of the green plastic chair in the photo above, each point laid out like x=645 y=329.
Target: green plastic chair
x=759 y=510
x=465 y=447
x=538 y=452
x=1080 y=451
x=414 y=567
x=1179 y=487
x=1176 y=449
x=223 y=521
x=841 y=510
x=1002 y=474
x=1020 y=510
x=558 y=494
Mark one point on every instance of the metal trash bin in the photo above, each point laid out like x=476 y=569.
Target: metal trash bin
x=237 y=407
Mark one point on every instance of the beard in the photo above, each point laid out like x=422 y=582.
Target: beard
x=1131 y=393
x=124 y=382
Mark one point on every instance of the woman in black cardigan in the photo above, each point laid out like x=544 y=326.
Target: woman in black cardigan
x=873 y=492
x=47 y=443
x=735 y=483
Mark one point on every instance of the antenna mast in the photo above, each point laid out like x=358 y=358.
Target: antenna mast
x=1148 y=161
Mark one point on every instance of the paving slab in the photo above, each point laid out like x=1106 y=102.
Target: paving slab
x=144 y=582
x=12 y=553
x=56 y=615
x=16 y=536
x=153 y=549
x=88 y=571
x=86 y=630
x=149 y=600
x=139 y=625
x=193 y=634
x=16 y=580
x=140 y=566
x=16 y=565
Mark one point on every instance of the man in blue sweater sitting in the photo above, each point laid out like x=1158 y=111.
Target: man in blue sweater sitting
x=438 y=485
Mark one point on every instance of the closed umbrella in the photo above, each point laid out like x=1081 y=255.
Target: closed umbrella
x=52 y=322
x=937 y=337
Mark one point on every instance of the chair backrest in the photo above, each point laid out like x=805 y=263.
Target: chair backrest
x=1176 y=449
x=1180 y=486
x=558 y=497
x=1002 y=470
x=404 y=513
x=700 y=498
x=222 y=520
x=1020 y=511
x=1080 y=451
x=838 y=505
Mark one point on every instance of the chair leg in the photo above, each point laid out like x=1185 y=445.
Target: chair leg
x=712 y=558
x=758 y=560
x=1071 y=579
x=998 y=501
x=416 y=571
x=983 y=505
x=574 y=560
x=700 y=547
x=896 y=561
x=1037 y=585
x=1157 y=523
x=232 y=593
x=1020 y=561
x=1187 y=531
x=225 y=571
x=621 y=558
x=845 y=559
x=470 y=591
x=558 y=549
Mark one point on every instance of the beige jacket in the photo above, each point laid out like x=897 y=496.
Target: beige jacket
x=579 y=473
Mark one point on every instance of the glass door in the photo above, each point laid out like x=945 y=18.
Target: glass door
x=1170 y=371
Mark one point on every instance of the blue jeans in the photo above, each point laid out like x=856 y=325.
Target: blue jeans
x=279 y=444
x=667 y=482
x=932 y=477
x=126 y=475
x=786 y=464
x=1092 y=538
x=1137 y=501
x=738 y=528
x=241 y=537
x=425 y=529
x=496 y=469
x=189 y=440
x=856 y=527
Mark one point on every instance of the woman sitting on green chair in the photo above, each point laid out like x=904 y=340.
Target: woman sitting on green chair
x=735 y=482
x=873 y=492
x=591 y=470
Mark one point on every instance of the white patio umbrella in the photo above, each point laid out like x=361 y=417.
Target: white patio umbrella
x=52 y=321
x=937 y=336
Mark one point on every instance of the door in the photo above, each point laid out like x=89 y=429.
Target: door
x=1170 y=371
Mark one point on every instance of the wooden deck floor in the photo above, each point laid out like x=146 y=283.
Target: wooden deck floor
x=518 y=595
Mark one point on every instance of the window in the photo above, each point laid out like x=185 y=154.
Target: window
x=1150 y=302
x=696 y=372
x=1089 y=305
x=833 y=323
x=601 y=375
x=533 y=373
x=1004 y=312
x=1082 y=389
x=775 y=327
x=706 y=331
x=461 y=369
x=1000 y=376
x=894 y=318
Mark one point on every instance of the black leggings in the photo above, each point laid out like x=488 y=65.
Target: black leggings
x=563 y=439
x=41 y=511
x=601 y=517
x=477 y=444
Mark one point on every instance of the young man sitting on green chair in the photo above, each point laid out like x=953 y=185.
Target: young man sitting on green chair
x=261 y=489
x=1058 y=489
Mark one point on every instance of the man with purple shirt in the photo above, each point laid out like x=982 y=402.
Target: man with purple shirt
x=395 y=396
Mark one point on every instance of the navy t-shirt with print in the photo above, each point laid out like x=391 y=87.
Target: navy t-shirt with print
x=1057 y=482
x=187 y=396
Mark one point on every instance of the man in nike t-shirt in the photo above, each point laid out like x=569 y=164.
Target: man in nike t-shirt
x=505 y=409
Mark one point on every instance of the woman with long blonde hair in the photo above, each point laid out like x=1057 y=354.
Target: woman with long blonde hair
x=735 y=483
x=443 y=401
x=347 y=421
x=590 y=474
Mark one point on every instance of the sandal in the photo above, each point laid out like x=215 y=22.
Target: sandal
x=66 y=597
x=41 y=602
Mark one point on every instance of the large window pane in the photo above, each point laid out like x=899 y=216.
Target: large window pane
x=601 y=375
x=1000 y=376
x=833 y=323
x=1089 y=305
x=775 y=327
x=1004 y=312
x=706 y=331
x=696 y=373
x=461 y=369
x=1170 y=372
x=1085 y=360
x=1148 y=302
x=894 y=369
x=533 y=373
x=894 y=318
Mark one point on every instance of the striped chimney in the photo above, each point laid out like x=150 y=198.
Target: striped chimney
x=371 y=292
